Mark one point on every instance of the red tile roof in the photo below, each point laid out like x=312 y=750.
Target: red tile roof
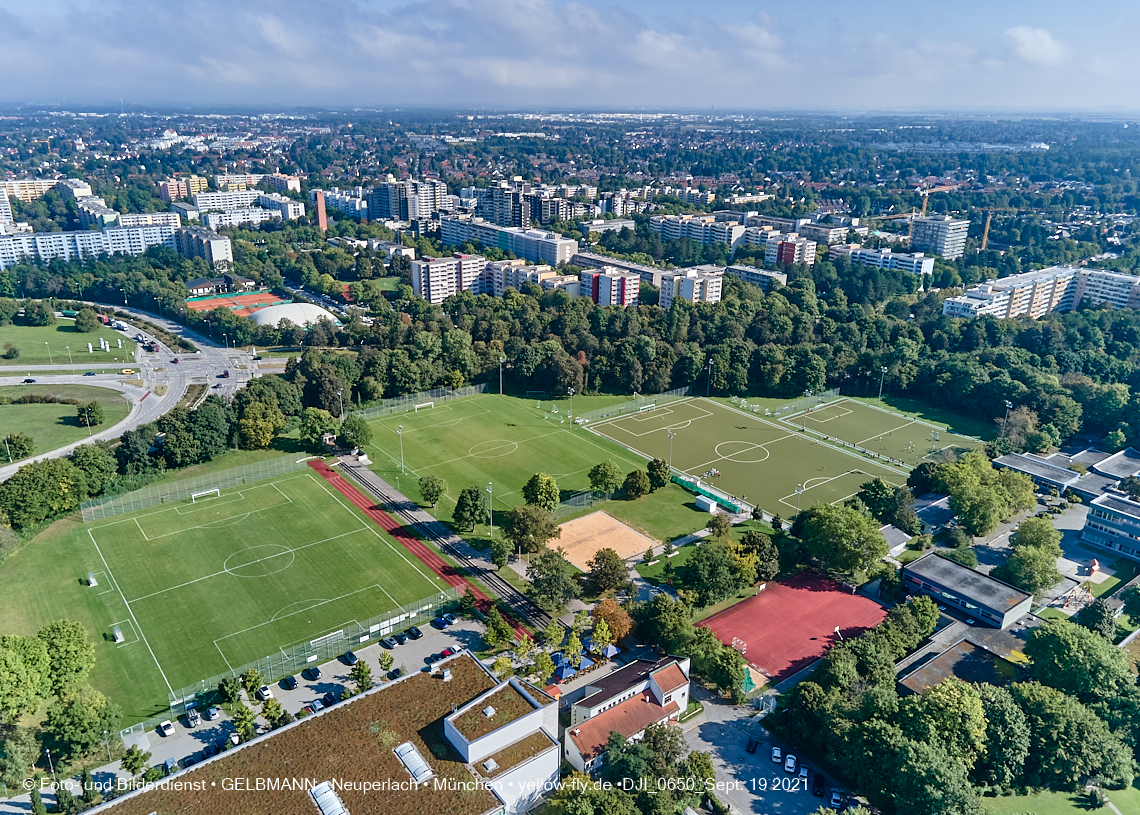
x=670 y=678
x=629 y=718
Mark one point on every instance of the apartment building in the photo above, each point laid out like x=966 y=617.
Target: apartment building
x=758 y=277
x=406 y=200
x=704 y=229
x=600 y=225
x=5 y=208
x=610 y=286
x=150 y=219
x=187 y=212
x=915 y=263
x=626 y=701
x=286 y=208
x=436 y=279
x=1102 y=286
x=1040 y=292
x=187 y=186
x=697 y=284
x=234 y=199
x=45 y=246
x=198 y=242
x=502 y=274
x=941 y=235
x=238 y=217
x=74 y=188
x=534 y=245
x=786 y=248
x=352 y=203
x=94 y=212
x=28 y=189
x=648 y=274
x=279 y=181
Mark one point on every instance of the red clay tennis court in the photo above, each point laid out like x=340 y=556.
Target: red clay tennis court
x=242 y=304
x=790 y=625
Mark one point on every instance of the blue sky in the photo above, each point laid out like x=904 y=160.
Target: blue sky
x=815 y=54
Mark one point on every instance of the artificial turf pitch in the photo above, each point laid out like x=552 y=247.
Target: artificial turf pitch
x=759 y=460
x=198 y=588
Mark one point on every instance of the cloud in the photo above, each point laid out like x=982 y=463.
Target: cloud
x=1036 y=45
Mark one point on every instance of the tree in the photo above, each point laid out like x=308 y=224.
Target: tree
x=1131 y=485
x=636 y=484
x=260 y=425
x=767 y=556
x=41 y=490
x=17 y=692
x=1029 y=569
x=37 y=312
x=97 y=464
x=601 y=637
x=616 y=618
x=607 y=571
x=966 y=557
x=530 y=527
x=387 y=661
x=658 y=472
x=86 y=321
x=361 y=675
x=251 y=680
x=553 y=634
x=356 y=432
x=605 y=477
x=523 y=648
x=20 y=750
x=230 y=689
x=471 y=508
x=542 y=491
x=19 y=445
x=35 y=662
x=876 y=495
x=271 y=711
x=543 y=667
x=467 y=602
x=70 y=654
x=134 y=761
x=950 y=714
x=432 y=488
x=1038 y=533
x=841 y=538
x=37 y=802
x=315 y=423
x=1002 y=762
x=498 y=632
x=1098 y=616
x=573 y=649
x=502 y=667
x=90 y=414
x=500 y=552
x=720 y=525
x=1077 y=661
x=80 y=718
x=666 y=622
x=244 y=721
x=552 y=583
x=711 y=574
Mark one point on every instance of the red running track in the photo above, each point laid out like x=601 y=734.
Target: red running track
x=790 y=625
x=446 y=572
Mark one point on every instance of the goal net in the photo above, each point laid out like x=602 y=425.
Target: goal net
x=424 y=405
x=214 y=493
x=645 y=408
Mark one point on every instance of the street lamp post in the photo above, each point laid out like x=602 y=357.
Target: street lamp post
x=70 y=361
x=8 y=449
x=87 y=410
x=340 y=395
x=400 y=433
x=107 y=742
x=491 y=507
x=671 y=437
x=50 y=360
x=807 y=395
x=124 y=291
x=882 y=376
x=51 y=766
x=571 y=392
x=502 y=359
x=1008 y=407
x=226 y=341
x=933 y=439
x=708 y=380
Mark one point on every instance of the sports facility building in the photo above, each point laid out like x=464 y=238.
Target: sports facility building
x=985 y=599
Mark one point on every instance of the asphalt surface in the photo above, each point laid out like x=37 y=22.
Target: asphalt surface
x=152 y=369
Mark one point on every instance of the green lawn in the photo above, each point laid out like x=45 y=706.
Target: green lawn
x=655 y=574
x=1124 y=570
x=199 y=587
x=954 y=422
x=1062 y=803
x=58 y=337
x=759 y=459
x=55 y=425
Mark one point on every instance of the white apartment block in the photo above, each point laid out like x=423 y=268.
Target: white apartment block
x=941 y=235
x=28 y=189
x=352 y=203
x=197 y=242
x=700 y=284
x=610 y=286
x=237 y=217
x=5 y=208
x=503 y=274
x=601 y=225
x=786 y=248
x=568 y=283
x=93 y=211
x=916 y=263
x=150 y=219
x=534 y=245
x=285 y=183
x=235 y=199
x=758 y=277
x=436 y=279
x=704 y=229
x=1033 y=294
x=46 y=246
x=287 y=208
x=74 y=188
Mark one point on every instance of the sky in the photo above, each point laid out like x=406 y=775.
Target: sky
x=993 y=56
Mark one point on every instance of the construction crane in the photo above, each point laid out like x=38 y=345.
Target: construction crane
x=925 y=193
x=989 y=217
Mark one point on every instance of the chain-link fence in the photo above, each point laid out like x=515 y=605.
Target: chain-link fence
x=402 y=404
x=637 y=404
x=293 y=658
x=804 y=402
x=183 y=489
x=578 y=501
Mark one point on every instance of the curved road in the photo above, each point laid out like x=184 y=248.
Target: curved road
x=152 y=370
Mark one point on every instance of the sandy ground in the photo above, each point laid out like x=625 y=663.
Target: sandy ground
x=582 y=537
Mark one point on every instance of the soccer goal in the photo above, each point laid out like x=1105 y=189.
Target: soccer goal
x=740 y=645
x=214 y=493
x=424 y=405
x=647 y=408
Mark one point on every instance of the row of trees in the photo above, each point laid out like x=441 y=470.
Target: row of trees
x=980 y=495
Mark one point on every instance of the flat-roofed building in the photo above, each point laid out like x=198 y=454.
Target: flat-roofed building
x=150 y=219
x=648 y=274
x=285 y=207
x=786 y=248
x=601 y=225
x=610 y=286
x=1032 y=294
x=28 y=189
x=941 y=235
x=1113 y=523
x=436 y=279
x=1043 y=472
x=764 y=278
x=199 y=242
x=47 y=246
x=236 y=199
x=238 y=217
x=93 y=211
x=188 y=212
x=914 y=263
x=981 y=597
x=701 y=284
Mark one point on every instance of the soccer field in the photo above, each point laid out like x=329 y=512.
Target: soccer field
x=758 y=460
x=501 y=440
x=881 y=431
x=204 y=587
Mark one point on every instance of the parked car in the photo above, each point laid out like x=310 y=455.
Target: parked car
x=209 y=751
x=176 y=360
x=451 y=619
x=318 y=705
x=752 y=745
x=388 y=643
x=817 y=785
x=804 y=773
x=439 y=623
x=836 y=799
x=289 y=683
x=312 y=673
x=329 y=700
x=415 y=633
x=789 y=763
x=166 y=728
x=264 y=693
x=193 y=718
x=400 y=637
x=127 y=371
x=350 y=658
x=777 y=755
x=212 y=713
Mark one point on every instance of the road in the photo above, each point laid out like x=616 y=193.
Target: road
x=151 y=370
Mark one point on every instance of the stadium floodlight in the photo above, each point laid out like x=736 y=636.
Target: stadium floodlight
x=491 y=507
x=672 y=435
x=571 y=392
x=400 y=433
x=882 y=376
